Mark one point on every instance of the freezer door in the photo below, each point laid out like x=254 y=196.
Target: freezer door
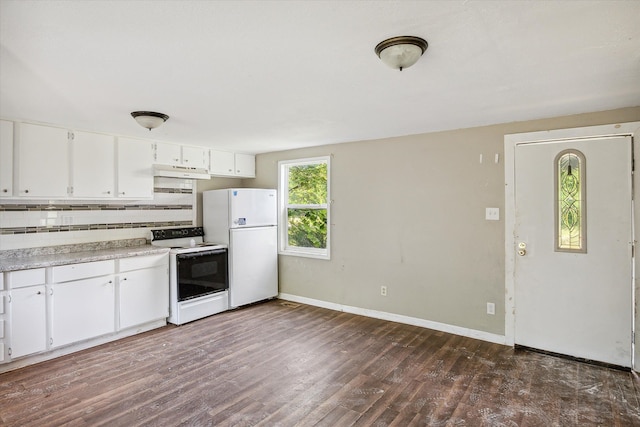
x=251 y=207
x=253 y=265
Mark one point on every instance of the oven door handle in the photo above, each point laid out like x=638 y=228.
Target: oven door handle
x=200 y=254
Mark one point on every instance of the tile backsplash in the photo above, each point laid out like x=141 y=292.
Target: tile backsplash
x=33 y=223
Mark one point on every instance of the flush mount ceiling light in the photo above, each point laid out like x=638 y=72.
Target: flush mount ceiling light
x=401 y=52
x=149 y=119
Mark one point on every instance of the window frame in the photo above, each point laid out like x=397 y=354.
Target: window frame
x=283 y=195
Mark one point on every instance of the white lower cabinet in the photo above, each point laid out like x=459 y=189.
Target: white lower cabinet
x=80 y=302
x=28 y=320
x=27 y=312
x=82 y=309
x=3 y=311
x=143 y=298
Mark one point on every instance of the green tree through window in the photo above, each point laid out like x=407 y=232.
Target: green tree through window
x=305 y=206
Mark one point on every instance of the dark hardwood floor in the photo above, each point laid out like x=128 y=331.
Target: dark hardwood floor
x=286 y=364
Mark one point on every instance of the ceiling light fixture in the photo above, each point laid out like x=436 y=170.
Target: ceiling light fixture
x=401 y=52
x=149 y=119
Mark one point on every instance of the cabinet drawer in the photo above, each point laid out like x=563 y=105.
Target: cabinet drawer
x=139 y=262
x=66 y=273
x=1 y=281
x=22 y=278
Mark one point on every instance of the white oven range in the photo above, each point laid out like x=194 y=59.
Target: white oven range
x=198 y=274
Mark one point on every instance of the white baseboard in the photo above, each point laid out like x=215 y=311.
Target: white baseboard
x=443 y=327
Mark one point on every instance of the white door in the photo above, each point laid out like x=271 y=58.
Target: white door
x=253 y=265
x=574 y=301
x=28 y=320
x=143 y=296
x=82 y=309
x=252 y=207
x=6 y=158
x=43 y=161
x=93 y=168
x=135 y=172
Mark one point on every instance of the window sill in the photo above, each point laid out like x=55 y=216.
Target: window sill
x=305 y=254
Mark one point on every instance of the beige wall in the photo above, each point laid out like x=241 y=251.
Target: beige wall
x=408 y=213
x=212 y=184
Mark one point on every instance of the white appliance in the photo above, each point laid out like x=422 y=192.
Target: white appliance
x=245 y=219
x=198 y=274
x=173 y=171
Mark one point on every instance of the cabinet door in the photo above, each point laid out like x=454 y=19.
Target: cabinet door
x=93 y=170
x=166 y=154
x=43 y=161
x=82 y=309
x=6 y=158
x=245 y=165
x=144 y=296
x=222 y=163
x=28 y=320
x=195 y=157
x=135 y=173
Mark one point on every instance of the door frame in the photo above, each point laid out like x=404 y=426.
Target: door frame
x=510 y=142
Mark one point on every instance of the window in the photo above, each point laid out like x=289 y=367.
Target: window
x=570 y=204
x=304 y=207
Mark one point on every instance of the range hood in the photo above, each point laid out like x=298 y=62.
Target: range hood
x=185 y=172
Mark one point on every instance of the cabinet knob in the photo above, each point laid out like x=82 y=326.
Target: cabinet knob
x=4 y=190
x=121 y=193
x=39 y=292
x=26 y=191
x=108 y=192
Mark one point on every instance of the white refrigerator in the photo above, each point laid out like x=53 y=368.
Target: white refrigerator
x=246 y=220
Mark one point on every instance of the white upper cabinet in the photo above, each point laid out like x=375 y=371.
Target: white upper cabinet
x=134 y=166
x=195 y=157
x=6 y=158
x=174 y=154
x=246 y=165
x=39 y=161
x=224 y=163
x=93 y=165
x=43 y=161
x=166 y=154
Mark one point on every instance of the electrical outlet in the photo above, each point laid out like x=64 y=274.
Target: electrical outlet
x=491 y=308
x=383 y=291
x=492 y=214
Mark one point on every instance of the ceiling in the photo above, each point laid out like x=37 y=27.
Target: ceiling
x=260 y=76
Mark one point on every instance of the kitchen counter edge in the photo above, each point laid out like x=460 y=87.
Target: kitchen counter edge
x=40 y=261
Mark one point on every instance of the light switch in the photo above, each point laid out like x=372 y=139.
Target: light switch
x=492 y=214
